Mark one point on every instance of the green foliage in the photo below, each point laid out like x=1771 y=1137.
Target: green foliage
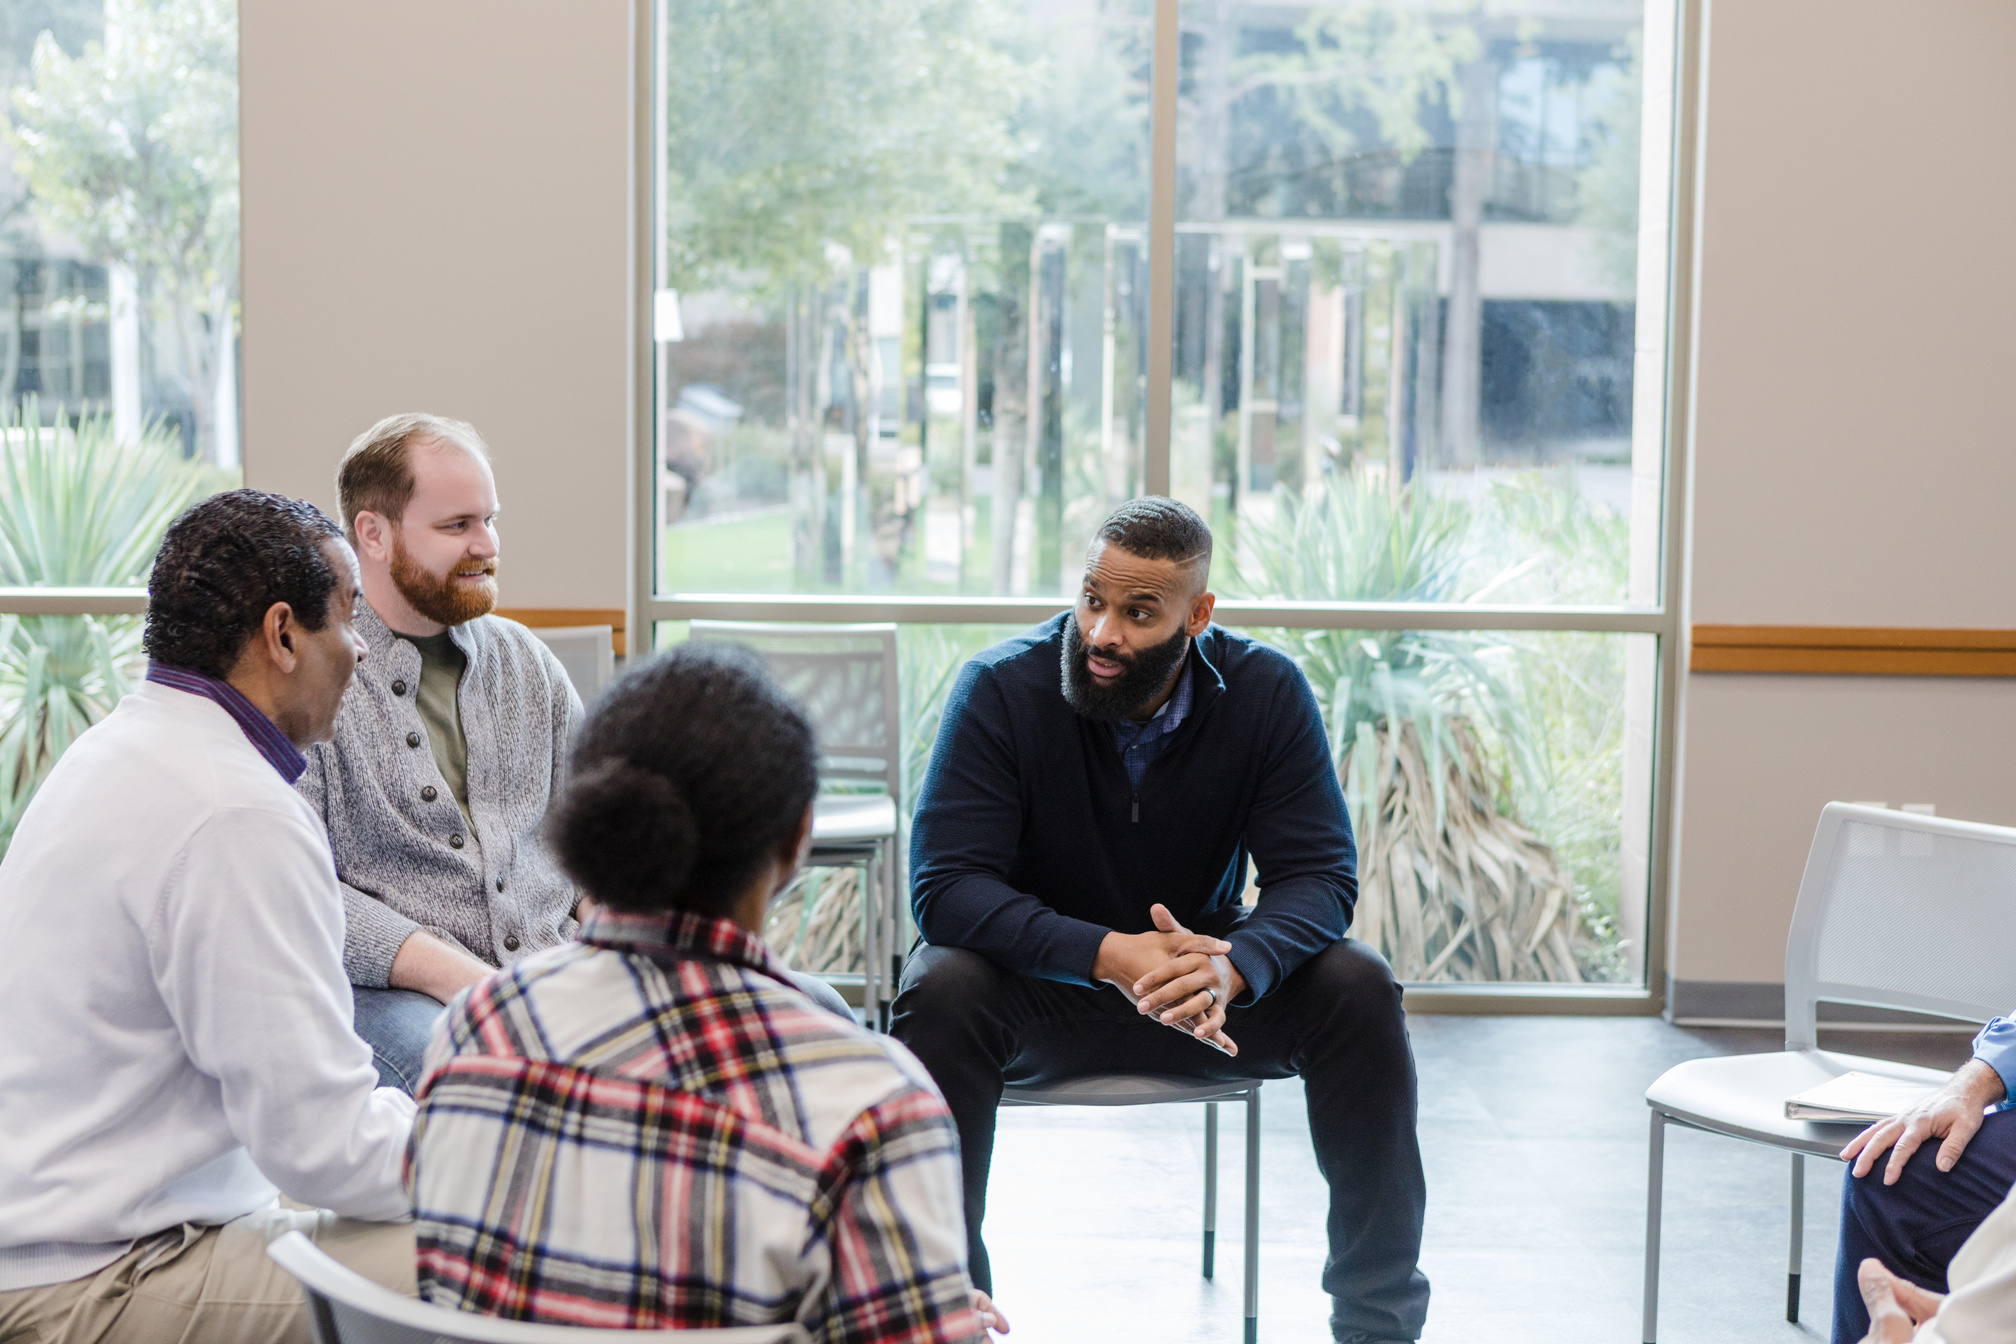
x=132 y=148
x=1609 y=185
x=1454 y=743
x=793 y=130
x=1358 y=57
x=77 y=509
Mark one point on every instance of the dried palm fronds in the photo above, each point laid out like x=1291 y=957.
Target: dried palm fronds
x=1449 y=887
x=816 y=924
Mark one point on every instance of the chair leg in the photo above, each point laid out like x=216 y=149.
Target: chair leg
x=1654 y=1186
x=1253 y=1214
x=1210 y=1186
x=871 y=951
x=1798 y=1237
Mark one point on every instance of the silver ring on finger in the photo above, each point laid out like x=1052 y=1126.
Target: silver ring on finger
x=1214 y=998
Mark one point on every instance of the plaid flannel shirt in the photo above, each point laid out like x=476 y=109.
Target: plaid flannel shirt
x=648 y=1129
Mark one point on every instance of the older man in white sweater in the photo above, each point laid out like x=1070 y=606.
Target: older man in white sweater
x=178 y=1050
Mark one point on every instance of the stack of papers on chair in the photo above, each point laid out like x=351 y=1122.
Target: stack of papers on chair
x=1856 y=1098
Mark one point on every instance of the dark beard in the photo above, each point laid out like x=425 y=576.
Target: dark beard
x=441 y=598
x=1145 y=674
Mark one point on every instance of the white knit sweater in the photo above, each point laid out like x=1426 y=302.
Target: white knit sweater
x=177 y=1026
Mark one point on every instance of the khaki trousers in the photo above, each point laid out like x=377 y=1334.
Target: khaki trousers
x=205 y=1285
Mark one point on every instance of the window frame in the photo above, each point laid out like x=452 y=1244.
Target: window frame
x=1663 y=620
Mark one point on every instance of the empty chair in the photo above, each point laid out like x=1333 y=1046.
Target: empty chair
x=846 y=677
x=587 y=652
x=1895 y=911
x=1141 y=1089
x=344 y=1307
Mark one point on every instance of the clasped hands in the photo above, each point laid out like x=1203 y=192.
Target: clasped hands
x=1183 y=979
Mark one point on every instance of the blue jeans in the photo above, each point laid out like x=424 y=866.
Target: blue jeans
x=398 y=1023
x=1915 y=1227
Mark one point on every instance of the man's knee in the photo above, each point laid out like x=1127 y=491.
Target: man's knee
x=1351 y=979
x=946 y=983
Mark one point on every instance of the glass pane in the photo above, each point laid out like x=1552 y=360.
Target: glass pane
x=1408 y=264
x=119 y=219
x=815 y=925
x=1488 y=778
x=903 y=308
x=58 y=676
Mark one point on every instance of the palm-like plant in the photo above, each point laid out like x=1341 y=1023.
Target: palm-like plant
x=1426 y=733
x=77 y=509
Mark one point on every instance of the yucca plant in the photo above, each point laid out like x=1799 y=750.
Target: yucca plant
x=77 y=510
x=1426 y=734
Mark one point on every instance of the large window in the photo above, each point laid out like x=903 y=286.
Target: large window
x=1378 y=288
x=118 y=339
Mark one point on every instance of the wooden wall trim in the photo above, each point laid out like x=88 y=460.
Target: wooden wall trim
x=548 y=617
x=1867 y=651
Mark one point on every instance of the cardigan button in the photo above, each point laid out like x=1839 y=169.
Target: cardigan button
x=398 y=688
x=511 y=943
x=500 y=884
x=429 y=794
x=412 y=739
x=455 y=842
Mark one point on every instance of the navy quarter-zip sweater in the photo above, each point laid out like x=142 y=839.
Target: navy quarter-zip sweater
x=1029 y=844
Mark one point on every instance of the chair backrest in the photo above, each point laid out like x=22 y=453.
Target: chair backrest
x=847 y=679
x=1898 y=910
x=588 y=652
x=344 y=1307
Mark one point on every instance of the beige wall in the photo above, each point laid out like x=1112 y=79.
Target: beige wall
x=436 y=217
x=1855 y=454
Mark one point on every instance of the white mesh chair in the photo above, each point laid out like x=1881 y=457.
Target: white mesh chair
x=344 y=1307
x=846 y=677
x=587 y=652
x=1895 y=911
x=1147 y=1089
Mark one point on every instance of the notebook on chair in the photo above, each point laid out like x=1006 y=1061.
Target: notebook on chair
x=1856 y=1098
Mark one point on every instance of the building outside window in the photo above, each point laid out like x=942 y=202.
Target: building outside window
x=1410 y=366
x=118 y=339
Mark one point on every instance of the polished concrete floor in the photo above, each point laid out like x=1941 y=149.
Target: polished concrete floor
x=1533 y=1133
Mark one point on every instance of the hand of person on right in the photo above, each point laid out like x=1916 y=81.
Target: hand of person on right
x=1897 y=1307
x=991 y=1316
x=1952 y=1113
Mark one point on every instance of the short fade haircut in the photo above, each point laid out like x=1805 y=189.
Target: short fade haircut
x=1156 y=527
x=222 y=566
x=376 y=473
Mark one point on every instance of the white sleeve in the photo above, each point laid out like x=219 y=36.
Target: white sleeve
x=248 y=957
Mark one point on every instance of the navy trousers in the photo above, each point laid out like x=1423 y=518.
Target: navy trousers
x=1915 y=1227
x=1337 y=1022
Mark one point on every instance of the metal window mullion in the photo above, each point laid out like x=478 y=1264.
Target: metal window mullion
x=1161 y=245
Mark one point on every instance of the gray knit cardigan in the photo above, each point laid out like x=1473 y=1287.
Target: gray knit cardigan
x=404 y=859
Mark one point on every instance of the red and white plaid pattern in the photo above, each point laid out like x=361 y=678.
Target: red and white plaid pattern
x=649 y=1129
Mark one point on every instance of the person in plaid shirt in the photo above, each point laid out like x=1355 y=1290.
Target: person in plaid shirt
x=651 y=1128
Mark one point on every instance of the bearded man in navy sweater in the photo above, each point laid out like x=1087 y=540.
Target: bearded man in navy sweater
x=1079 y=852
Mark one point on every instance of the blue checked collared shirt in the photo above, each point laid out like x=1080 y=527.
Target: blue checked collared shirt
x=1996 y=1047
x=1141 y=743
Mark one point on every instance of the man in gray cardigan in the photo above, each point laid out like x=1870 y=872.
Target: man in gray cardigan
x=450 y=743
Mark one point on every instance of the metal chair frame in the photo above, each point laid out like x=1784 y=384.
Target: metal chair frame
x=883 y=921
x=1802 y=1063
x=344 y=1307
x=1117 y=1089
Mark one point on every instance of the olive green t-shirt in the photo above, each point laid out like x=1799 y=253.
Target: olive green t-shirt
x=441 y=667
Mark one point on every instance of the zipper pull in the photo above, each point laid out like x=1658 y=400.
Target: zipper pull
x=1137 y=807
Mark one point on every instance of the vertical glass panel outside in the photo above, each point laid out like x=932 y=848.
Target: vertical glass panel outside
x=1411 y=285
x=902 y=315
x=119 y=221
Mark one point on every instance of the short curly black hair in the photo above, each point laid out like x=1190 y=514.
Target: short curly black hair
x=222 y=566
x=690 y=772
x=1156 y=527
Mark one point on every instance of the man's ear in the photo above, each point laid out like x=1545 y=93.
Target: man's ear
x=1201 y=607
x=279 y=635
x=374 y=535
